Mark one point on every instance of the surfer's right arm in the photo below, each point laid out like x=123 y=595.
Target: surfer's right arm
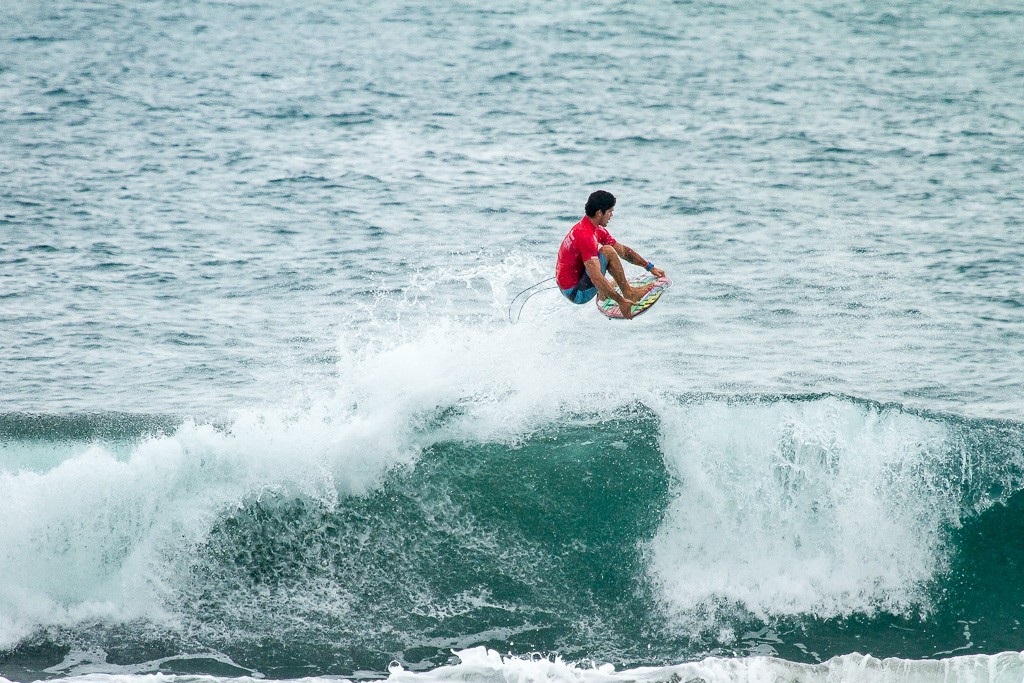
x=636 y=259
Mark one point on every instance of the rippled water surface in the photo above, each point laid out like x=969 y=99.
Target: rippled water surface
x=196 y=195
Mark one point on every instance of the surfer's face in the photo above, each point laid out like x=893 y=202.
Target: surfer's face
x=602 y=217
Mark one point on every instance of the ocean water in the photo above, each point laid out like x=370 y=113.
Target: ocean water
x=263 y=413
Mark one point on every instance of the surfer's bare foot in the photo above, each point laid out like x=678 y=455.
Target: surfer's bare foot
x=637 y=293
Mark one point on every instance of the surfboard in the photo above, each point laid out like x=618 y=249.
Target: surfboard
x=611 y=309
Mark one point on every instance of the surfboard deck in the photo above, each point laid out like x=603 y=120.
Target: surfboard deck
x=611 y=309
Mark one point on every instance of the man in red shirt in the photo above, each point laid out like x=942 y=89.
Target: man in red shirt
x=588 y=251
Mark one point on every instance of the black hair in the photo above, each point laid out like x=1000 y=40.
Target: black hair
x=599 y=201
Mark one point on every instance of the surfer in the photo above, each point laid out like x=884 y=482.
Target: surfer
x=589 y=251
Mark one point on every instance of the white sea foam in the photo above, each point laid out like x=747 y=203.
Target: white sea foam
x=824 y=507
x=479 y=665
x=102 y=537
x=487 y=666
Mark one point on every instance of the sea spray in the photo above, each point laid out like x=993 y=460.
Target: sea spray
x=104 y=537
x=824 y=507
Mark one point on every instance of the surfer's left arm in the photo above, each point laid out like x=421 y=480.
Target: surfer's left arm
x=636 y=259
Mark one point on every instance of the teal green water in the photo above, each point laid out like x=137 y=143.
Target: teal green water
x=262 y=412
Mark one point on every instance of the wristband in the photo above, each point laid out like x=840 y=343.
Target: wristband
x=649 y=266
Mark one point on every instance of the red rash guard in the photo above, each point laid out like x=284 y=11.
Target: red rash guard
x=580 y=245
